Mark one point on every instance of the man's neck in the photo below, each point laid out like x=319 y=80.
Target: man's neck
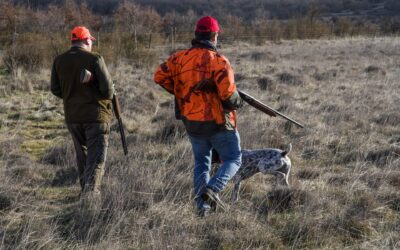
x=204 y=44
x=79 y=46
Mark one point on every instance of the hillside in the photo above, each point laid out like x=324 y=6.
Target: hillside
x=248 y=10
x=345 y=178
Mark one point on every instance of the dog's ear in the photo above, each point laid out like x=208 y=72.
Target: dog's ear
x=286 y=152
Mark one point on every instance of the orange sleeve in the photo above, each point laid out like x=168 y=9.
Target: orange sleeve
x=224 y=78
x=163 y=75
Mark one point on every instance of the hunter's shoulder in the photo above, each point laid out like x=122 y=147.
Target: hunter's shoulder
x=221 y=59
x=60 y=56
x=78 y=53
x=220 y=56
x=177 y=56
x=213 y=55
x=91 y=54
x=180 y=53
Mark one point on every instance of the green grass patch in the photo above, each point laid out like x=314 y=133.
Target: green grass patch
x=56 y=193
x=14 y=116
x=34 y=133
x=36 y=148
x=52 y=124
x=4 y=71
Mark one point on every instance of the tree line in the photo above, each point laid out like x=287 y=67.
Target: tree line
x=33 y=33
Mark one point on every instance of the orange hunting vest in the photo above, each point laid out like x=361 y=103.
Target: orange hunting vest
x=200 y=79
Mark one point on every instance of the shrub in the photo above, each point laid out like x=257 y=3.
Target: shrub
x=289 y=79
x=308 y=174
x=60 y=155
x=375 y=70
x=170 y=132
x=265 y=83
x=28 y=52
x=324 y=76
x=283 y=199
x=380 y=157
x=5 y=202
x=388 y=118
x=65 y=177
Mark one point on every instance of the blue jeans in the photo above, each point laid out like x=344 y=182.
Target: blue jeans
x=227 y=144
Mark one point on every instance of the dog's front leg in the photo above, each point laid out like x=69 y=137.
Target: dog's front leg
x=281 y=178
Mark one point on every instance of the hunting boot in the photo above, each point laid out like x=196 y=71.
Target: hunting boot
x=213 y=199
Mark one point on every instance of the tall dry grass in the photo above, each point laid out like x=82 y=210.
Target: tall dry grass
x=345 y=176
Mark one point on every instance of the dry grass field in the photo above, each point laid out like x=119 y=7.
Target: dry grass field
x=345 y=178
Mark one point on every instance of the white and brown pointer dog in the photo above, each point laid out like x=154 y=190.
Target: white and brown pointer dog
x=267 y=161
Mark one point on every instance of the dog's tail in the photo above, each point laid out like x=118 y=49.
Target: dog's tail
x=287 y=151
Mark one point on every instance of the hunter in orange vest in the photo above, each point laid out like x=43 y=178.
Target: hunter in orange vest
x=202 y=81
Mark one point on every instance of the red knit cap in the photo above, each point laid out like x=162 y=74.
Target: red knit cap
x=207 y=24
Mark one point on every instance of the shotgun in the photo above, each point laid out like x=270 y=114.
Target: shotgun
x=117 y=112
x=265 y=108
x=87 y=77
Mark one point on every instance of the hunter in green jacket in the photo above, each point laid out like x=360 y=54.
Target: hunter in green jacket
x=83 y=103
x=87 y=106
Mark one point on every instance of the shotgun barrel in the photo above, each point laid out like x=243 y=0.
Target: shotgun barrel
x=265 y=108
x=117 y=112
x=87 y=77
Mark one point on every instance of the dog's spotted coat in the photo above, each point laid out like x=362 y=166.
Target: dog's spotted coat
x=267 y=161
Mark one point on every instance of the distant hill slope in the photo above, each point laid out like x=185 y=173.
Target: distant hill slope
x=249 y=10
x=375 y=11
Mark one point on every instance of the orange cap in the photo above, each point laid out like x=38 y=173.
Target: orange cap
x=80 y=33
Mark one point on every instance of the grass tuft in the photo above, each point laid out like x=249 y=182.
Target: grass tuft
x=284 y=199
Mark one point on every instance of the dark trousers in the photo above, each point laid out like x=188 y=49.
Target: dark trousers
x=91 y=143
